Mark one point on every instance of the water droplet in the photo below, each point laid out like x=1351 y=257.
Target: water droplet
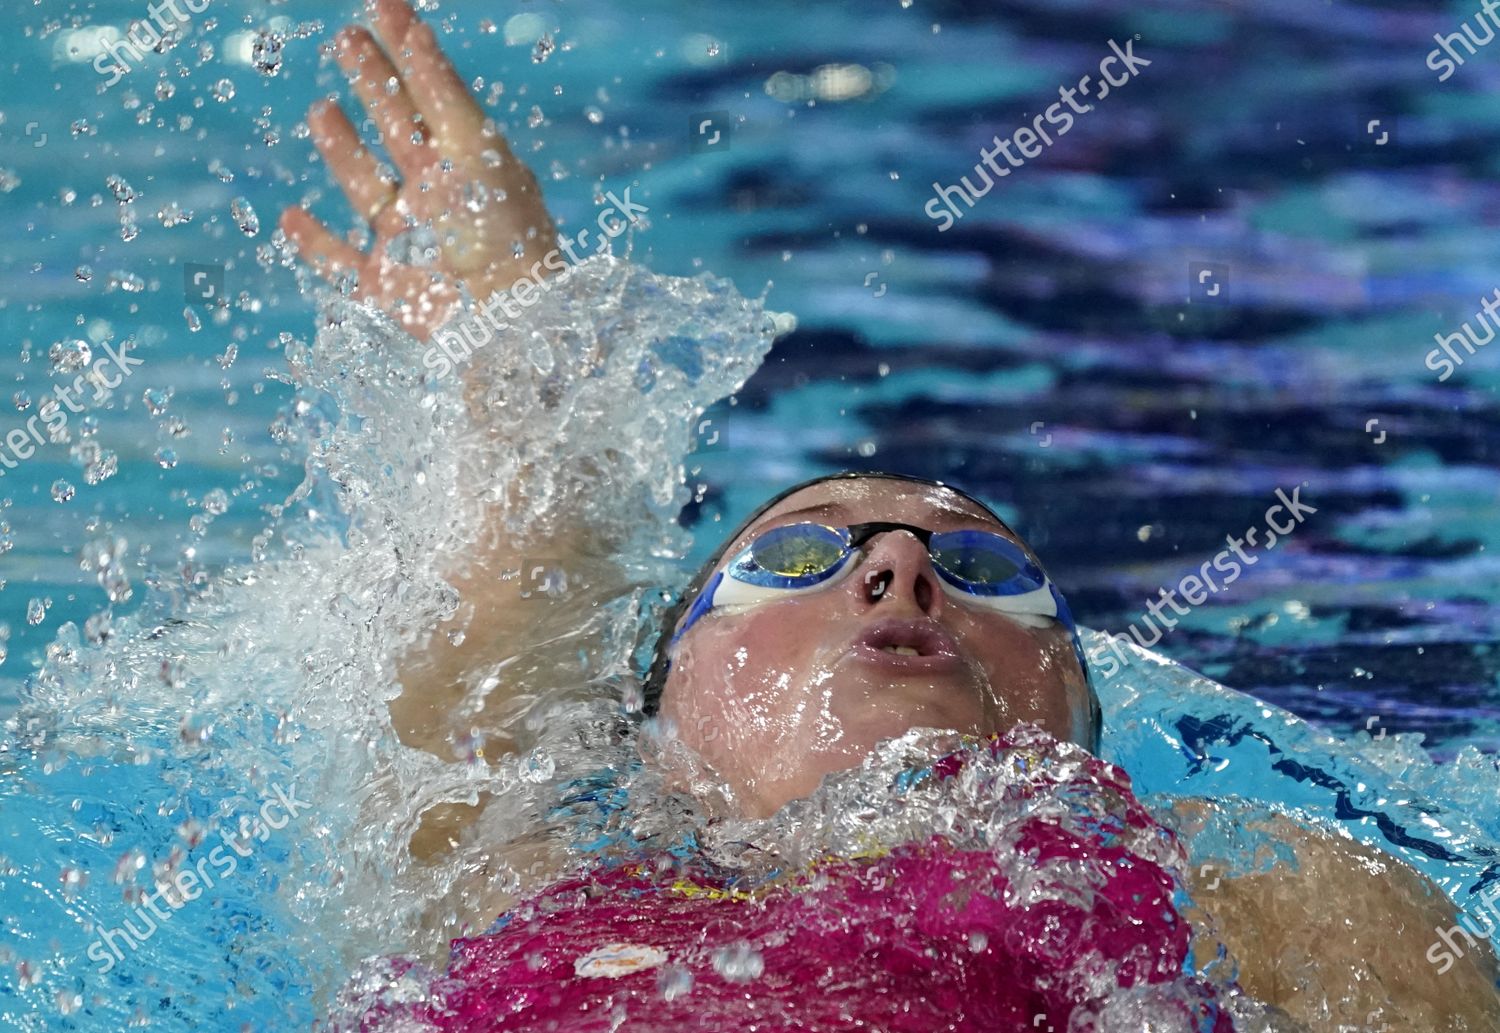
x=165 y=457
x=713 y=48
x=22 y=401
x=36 y=611
x=537 y=767
x=593 y=114
x=120 y=189
x=165 y=88
x=223 y=91
x=97 y=628
x=544 y=48
x=265 y=53
x=174 y=215
x=62 y=491
x=244 y=216
x=674 y=981
x=194 y=324
x=216 y=502
x=535 y=117
x=70 y=356
x=739 y=962
x=83 y=274
x=475 y=197
x=156 y=399
x=72 y=879
x=105 y=466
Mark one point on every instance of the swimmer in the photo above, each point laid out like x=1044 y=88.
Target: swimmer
x=845 y=612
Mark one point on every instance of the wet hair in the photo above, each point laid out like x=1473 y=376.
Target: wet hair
x=656 y=677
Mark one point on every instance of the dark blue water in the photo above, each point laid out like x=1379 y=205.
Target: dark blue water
x=1045 y=351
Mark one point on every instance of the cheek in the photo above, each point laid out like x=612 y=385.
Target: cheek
x=1029 y=671
x=739 y=674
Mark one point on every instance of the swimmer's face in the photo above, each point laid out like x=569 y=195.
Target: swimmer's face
x=778 y=695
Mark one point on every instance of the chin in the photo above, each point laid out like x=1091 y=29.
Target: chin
x=870 y=723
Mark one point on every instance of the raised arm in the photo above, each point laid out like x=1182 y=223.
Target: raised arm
x=454 y=173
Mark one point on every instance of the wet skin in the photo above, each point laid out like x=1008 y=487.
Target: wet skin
x=776 y=696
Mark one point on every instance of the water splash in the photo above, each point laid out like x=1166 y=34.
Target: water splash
x=279 y=673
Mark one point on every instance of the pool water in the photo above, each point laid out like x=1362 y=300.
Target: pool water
x=1055 y=351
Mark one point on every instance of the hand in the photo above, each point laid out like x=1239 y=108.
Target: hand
x=458 y=176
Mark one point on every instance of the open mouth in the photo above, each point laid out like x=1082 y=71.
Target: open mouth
x=912 y=645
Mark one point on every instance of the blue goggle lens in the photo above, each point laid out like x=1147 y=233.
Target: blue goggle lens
x=795 y=552
x=978 y=559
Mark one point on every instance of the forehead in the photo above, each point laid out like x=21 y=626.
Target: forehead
x=855 y=501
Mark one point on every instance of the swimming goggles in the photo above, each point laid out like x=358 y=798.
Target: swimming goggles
x=981 y=568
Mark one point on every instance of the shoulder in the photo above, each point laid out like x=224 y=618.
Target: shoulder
x=1335 y=931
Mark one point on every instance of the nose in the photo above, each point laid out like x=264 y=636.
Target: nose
x=897 y=569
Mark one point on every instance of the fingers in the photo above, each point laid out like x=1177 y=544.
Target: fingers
x=327 y=254
x=351 y=163
x=391 y=106
x=442 y=96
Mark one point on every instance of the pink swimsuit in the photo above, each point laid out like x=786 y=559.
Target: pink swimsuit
x=921 y=939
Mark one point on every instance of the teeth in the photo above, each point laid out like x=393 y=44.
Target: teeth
x=901 y=650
